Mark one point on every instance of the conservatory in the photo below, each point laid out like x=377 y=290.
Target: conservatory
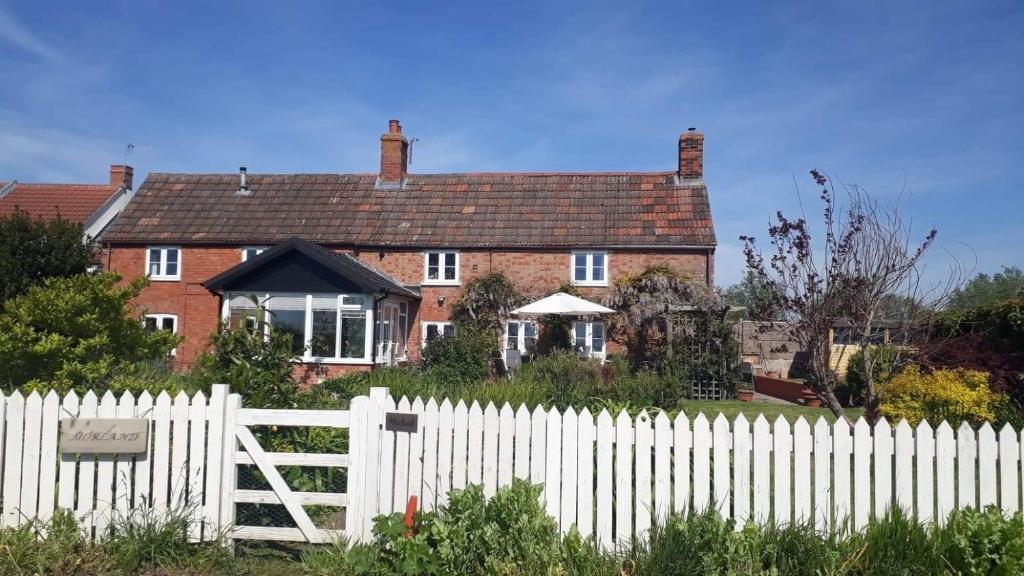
x=338 y=309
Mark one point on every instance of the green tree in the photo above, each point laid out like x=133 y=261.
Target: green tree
x=984 y=290
x=756 y=296
x=663 y=319
x=75 y=332
x=33 y=249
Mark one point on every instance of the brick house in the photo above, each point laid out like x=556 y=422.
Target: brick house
x=364 y=268
x=93 y=206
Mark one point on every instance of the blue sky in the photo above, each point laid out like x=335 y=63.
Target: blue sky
x=924 y=98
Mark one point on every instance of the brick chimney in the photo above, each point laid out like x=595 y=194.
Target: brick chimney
x=691 y=155
x=394 y=154
x=121 y=176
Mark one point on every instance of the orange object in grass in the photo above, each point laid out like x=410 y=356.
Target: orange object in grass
x=410 y=510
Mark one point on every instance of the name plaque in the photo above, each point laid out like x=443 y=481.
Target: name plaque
x=401 y=422
x=104 y=435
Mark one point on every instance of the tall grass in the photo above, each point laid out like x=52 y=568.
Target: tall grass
x=143 y=542
x=510 y=535
x=560 y=380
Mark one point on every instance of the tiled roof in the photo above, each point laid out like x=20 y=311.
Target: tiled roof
x=522 y=210
x=74 y=202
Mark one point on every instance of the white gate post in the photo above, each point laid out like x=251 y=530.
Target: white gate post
x=228 y=480
x=367 y=417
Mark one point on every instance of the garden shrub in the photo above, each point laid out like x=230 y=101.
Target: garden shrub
x=952 y=395
x=74 y=333
x=885 y=359
x=977 y=543
x=509 y=534
x=255 y=361
x=569 y=380
x=460 y=358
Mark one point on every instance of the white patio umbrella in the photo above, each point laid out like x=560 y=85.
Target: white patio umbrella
x=562 y=304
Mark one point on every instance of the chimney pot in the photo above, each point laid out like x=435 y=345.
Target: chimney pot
x=121 y=176
x=242 y=185
x=691 y=155
x=394 y=154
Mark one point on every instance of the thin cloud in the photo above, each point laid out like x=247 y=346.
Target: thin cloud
x=12 y=32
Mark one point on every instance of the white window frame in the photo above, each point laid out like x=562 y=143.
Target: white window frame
x=245 y=249
x=589 y=281
x=520 y=337
x=163 y=276
x=440 y=281
x=267 y=300
x=440 y=328
x=589 y=340
x=159 y=320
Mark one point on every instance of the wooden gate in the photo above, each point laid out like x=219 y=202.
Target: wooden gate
x=359 y=501
x=249 y=452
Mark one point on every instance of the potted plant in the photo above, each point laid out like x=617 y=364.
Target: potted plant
x=745 y=392
x=811 y=399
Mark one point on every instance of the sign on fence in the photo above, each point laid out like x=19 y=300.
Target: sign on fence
x=103 y=436
x=400 y=422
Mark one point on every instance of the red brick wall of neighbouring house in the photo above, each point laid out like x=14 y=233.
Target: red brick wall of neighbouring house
x=537 y=273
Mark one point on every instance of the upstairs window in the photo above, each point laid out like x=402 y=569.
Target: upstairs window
x=441 y=268
x=250 y=252
x=590 y=268
x=163 y=263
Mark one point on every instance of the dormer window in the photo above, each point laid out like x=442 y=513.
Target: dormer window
x=441 y=268
x=163 y=263
x=250 y=252
x=589 y=268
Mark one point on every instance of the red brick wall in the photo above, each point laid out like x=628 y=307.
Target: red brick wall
x=537 y=273
x=789 y=390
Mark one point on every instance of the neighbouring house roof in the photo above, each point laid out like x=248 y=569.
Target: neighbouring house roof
x=74 y=202
x=489 y=210
x=346 y=269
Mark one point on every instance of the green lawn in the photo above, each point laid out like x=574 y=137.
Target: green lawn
x=732 y=408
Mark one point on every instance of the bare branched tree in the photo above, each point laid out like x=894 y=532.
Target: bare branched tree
x=867 y=275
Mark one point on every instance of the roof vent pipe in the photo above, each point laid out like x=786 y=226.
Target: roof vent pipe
x=243 y=188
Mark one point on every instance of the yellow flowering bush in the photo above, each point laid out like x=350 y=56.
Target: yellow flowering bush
x=952 y=395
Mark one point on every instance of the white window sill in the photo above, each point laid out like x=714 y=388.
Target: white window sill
x=334 y=361
x=165 y=278
x=440 y=283
x=601 y=284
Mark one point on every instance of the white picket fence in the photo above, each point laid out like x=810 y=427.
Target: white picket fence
x=611 y=477
x=178 y=471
